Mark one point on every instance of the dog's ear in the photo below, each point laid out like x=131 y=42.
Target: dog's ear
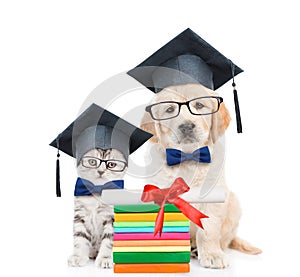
x=148 y=125
x=220 y=122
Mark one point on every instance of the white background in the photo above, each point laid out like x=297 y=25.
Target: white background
x=54 y=53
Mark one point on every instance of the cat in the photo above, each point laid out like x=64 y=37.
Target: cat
x=93 y=220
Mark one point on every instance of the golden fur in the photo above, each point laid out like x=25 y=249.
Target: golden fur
x=221 y=227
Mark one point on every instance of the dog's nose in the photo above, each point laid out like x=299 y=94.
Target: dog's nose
x=187 y=127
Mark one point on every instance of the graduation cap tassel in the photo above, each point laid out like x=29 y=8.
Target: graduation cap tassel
x=236 y=103
x=237 y=110
x=58 y=192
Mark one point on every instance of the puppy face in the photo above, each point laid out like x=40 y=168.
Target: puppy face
x=186 y=129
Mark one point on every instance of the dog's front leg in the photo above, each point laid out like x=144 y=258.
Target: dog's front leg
x=208 y=241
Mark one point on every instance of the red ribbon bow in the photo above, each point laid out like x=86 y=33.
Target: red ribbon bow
x=170 y=196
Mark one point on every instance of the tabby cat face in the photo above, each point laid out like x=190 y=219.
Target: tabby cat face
x=87 y=167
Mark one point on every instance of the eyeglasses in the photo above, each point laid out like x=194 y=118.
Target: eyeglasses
x=198 y=106
x=113 y=165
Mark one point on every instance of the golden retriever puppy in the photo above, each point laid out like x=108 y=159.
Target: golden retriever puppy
x=188 y=132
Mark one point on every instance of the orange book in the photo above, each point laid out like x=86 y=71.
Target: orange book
x=152 y=268
x=122 y=243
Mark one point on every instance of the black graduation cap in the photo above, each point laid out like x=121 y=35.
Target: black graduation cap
x=98 y=128
x=187 y=59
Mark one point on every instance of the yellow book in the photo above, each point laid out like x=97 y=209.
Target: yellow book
x=161 y=248
x=149 y=217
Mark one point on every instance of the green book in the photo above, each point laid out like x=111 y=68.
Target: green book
x=150 y=257
x=150 y=223
x=144 y=208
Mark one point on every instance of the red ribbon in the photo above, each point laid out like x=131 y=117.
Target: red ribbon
x=170 y=195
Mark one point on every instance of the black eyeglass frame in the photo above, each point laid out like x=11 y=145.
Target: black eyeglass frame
x=105 y=161
x=187 y=103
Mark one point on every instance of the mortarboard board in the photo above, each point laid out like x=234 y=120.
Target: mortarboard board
x=98 y=128
x=187 y=59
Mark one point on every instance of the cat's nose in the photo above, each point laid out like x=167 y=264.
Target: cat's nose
x=100 y=172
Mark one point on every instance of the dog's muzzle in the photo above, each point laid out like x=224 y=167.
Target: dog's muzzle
x=187 y=128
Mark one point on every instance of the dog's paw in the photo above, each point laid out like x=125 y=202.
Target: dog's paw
x=104 y=262
x=75 y=260
x=215 y=260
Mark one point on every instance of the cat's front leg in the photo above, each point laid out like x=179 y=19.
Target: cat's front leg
x=104 y=257
x=82 y=243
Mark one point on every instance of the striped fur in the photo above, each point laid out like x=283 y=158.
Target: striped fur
x=93 y=220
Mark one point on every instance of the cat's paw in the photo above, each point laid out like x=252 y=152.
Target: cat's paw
x=215 y=260
x=104 y=262
x=75 y=260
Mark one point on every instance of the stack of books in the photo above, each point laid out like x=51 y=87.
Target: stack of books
x=137 y=250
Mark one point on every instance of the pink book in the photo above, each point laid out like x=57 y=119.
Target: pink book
x=150 y=236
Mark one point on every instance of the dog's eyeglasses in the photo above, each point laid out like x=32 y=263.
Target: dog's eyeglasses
x=198 y=106
x=113 y=165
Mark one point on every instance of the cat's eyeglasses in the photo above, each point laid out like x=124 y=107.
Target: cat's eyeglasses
x=113 y=165
x=198 y=106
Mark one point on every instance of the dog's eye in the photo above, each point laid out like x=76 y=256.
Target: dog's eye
x=170 y=110
x=199 y=105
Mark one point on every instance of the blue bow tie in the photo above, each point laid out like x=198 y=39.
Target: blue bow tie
x=175 y=156
x=85 y=187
